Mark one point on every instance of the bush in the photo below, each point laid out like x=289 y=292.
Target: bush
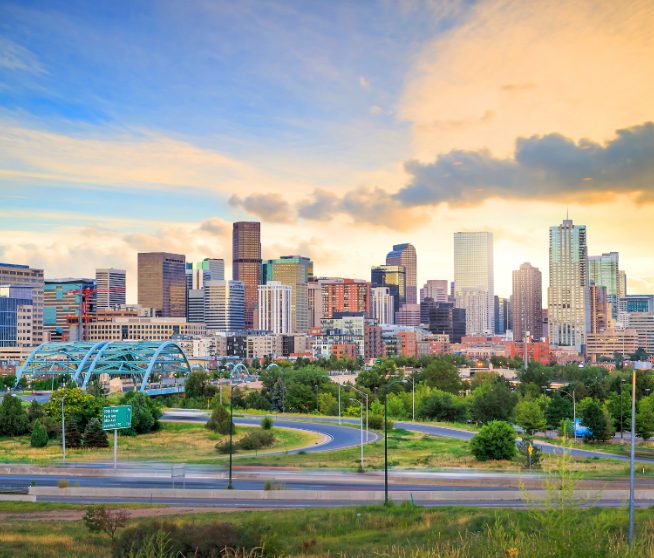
x=496 y=440
x=440 y=405
x=220 y=421
x=595 y=418
x=257 y=439
x=266 y=423
x=94 y=436
x=73 y=437
x=63 y=483
x=101 y=519
x=145 y=413
x=376 y=422
x=13 y=418
x=39 y=437
x=523 y=452
x=223 y=447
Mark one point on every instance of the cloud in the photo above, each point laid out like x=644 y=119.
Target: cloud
x=270 y=207
x=15 y=57
x=543 y=167
x=364 y=83
x=320 y=206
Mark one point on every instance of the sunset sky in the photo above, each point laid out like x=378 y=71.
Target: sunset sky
x=344 y=126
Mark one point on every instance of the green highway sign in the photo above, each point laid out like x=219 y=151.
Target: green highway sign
x=115 y=418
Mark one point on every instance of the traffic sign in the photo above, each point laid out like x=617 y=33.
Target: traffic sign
x=115 y=418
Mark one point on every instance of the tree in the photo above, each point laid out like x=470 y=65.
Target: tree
x=645 y=418
x=596 y=420
x=440 y=405
x=145 y=413
x=277 y=395
x=94 y=436
x=39 y=437
x=35 y=412
x=614 y=407
x=13 y=418
x=530 y=416
x=558 y=408
x=73 y=437
x=493 y=400
x=496 y=440
x=78 y=405
x=220 y=420
x=266 y=423
x=197 y=385
x=327 y=404
x=443 y=375
x=100 y=519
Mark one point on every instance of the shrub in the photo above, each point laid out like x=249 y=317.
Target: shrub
x=63 y=483
x=595 y=418
x=441 y=405
x=100 y=519
x=13 y=418
x=94 y=436
x=256 y=439
x=223 y=447
x=73 y=437
x=266 y=423
x=376 y=422
x=39 y=437
x=220 y=421
x=145 y=413
x=530 y=416
x=496 y=440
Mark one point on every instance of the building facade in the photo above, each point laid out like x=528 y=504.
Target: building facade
x=405 y=255
x=275 y=307
x=63 y=306
x=527 y=302
x=246 y=264
x=382 y=306
x=392 y=277
x=224 y=305
x=162 y=283
x=436 y=289
x=136 y=329
x=294 y=272
x=604 y=271
x=23 y=275
x=446 y=319
x=111 y=288
x=16 y=316
x=344 y=295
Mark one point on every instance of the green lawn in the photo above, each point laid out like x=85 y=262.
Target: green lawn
x=174 y=443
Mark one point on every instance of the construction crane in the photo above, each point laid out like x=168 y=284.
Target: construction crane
x=85 y=309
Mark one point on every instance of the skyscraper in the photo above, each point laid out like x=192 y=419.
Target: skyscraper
x=405 y=255
x=344 y=295
x=295 y=272
x=393 y=277
x=16 y=316
x=275 y=307
x=63 y=301
x=209 y=269
x=473 y=280
x=382 y=307
x=246 y=258
x=567 y=296
x=224 y=305
x=315 y=313
x=604 y=271
x=503 y=315
x=527 y=302
x=110 y=285
x=162 y=283
x=23 y=275
x=436 y=289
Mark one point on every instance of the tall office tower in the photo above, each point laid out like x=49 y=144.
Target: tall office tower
x=63 y=305
x=393 y=277
x=344 y=295
x=382 y=307
x=527 y=302
x=314 y=296
x=599 y=309
x=604 y=271
x=23 y=275
x=295 y=272
x=195 y=306
x=436 y=289
x=246 y=258
x=16 y=316
x=473 y=280
x=275 y=307
x=209 y=269
x=503 y=316
x=444 y=318
x=622 y=289
x=224 y=305
x=643 y=323
x=567 y=296
x=408 y=315
x=162 y=283
x=110 y=285
x=405 y=255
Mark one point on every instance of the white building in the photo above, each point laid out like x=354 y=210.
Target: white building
x=473 y=280
x=110 y=285
x=224 y=305
x=436 y=289
x=382 y=307
x=135 y=329
x=275 y=307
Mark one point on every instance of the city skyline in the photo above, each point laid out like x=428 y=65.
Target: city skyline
x=350 y=142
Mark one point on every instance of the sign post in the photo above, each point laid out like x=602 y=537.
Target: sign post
x=116 y=418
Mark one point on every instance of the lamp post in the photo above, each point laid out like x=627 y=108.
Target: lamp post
x=574 y=412
x=231 y=432
x=621 y=427
x=63 y=430
x=364 y=394
x=361 y=424
x=339 y=403
x=413 y=397
x=387 y=387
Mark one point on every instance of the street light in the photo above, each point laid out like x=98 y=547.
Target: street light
x=63 y=429
x=621 y=427
x=574 y=411
x=364 y=394
x=413 y=397
x=632 y=458
x=386 y=388
x=361 y=417
x=231 y=432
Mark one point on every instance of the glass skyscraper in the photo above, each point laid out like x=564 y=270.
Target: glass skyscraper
x=19 y=275
x=405 y=255
x=16 y=312
x=246 y=260
x=604 y=271
x=295 y=272
x=162 y=283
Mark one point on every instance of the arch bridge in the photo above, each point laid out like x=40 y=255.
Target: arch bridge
x=142 y=361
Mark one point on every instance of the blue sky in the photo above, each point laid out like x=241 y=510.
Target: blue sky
x=127 y=126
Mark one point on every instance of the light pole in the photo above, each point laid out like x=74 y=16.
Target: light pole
x=413 y=397
x=364 y=394
x=361 y=423
x=386 y=388
x=621 y=427
x=231 y=432
x=339 y=403
x=63 y=429
x=574 y=411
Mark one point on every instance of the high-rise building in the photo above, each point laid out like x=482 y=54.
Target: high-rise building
x=598 y=309
x=246 y=258
x=344 y=295
x=295 y=272
x=314 y=296
x=209 y=269
x=63 y=305
x=527 y=302
x=623 y=283
x=224 y=305
x=275 y=307
x=195 y=306
x=162 y=283
x=393 y=277
x=567 y=296
x=23 y=275
x=405 y=255
x=16 y=316
x=408 y=315
x=110 y=285
x=436 y=289
x=604 y=271
x=444 y=318
x=643 y=323
x=473 y=280
x=503 y=315
x=382 y=307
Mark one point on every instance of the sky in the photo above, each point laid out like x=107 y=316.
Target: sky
x=344 y=127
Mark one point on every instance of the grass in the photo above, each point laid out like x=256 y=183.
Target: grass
x=174 y=443
x=402 y=531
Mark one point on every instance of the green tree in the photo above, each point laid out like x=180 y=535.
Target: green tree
x=530 y=417
x=493 y=400
x=558 y=408
x=220 y=420
x=39 y=437
x=94 y=436
x=327 y=404
x=145 y=413
x=78 y=406
x=443 y=375
x=73 y=437
x=613 y=405
x=596 y=420
x=441 y=405
x=197 y=385
x=13 y=418
x=496 y=440
x=645 y=423
x=35 y=412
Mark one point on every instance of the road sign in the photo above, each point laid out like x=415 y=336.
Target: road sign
x=530 y=449
x=115 y=418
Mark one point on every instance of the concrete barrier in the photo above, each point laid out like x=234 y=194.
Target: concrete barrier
x=17 y=498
